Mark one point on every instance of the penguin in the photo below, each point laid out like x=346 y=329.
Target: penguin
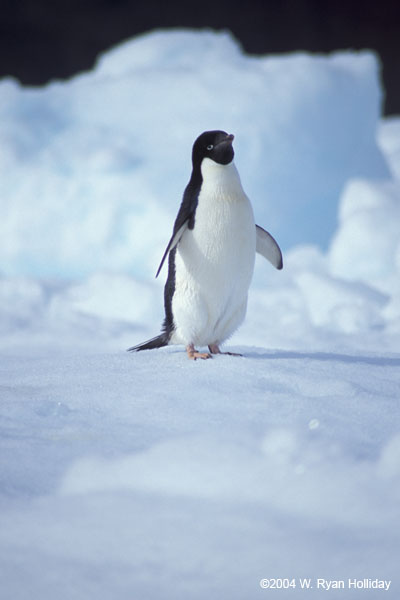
x=211 y=253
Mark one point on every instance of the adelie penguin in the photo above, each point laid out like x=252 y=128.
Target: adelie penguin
x=211 y=253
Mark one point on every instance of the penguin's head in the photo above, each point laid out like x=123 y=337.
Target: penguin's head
x=215 y=145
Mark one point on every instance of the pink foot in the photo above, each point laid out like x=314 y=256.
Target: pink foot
x=193 y=354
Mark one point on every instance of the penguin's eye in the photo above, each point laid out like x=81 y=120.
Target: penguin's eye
x=210 y=147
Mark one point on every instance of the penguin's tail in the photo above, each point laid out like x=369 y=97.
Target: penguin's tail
x=156 y=342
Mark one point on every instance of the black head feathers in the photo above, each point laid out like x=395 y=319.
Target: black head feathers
x=216 y=145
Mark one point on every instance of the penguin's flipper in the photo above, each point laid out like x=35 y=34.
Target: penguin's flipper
x=156 y=342
x=268 y=248
x=172 y=243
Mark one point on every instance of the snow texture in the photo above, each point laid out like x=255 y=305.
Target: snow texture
x=150 y=476
x=120 y=138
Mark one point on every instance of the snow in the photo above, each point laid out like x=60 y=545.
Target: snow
x=116 y=137
x=126 y=476
x=366 y=243
x=147 y=475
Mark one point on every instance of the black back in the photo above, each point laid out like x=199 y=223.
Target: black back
x=216 y=145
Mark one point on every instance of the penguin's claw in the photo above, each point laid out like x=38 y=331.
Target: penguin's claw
x=214 y=349
x=203 y=355
x=193 y=354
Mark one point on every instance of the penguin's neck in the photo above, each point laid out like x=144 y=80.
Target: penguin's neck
x=221 y=180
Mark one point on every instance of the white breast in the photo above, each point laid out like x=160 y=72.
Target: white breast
x=214 y=262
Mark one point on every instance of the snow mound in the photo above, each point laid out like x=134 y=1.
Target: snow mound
x=283 y=472
x=366 y=245
x=93 y=169
x=389 y=142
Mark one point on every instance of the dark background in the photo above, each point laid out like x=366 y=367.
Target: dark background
x=42 y=40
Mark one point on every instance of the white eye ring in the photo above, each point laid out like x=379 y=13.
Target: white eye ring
x=210 y=147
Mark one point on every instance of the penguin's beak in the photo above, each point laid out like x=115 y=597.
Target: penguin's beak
x=227 y=140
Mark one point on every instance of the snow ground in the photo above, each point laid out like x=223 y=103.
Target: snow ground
x=149 y=476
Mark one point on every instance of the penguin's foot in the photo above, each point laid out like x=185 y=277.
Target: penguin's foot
x=214 y=349
x=193 y=353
